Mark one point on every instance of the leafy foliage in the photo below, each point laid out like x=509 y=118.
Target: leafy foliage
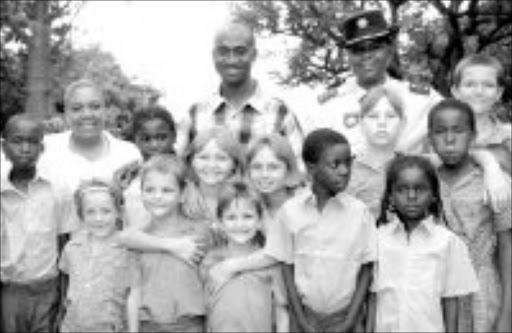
x=63 y=62
x=435 y=35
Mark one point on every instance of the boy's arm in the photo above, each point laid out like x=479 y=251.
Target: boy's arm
x=363 y=284
x=503 y=323
x=450 y=305
x=294 y=301
x=189 y=248
x=224 y=271
x=371 y=313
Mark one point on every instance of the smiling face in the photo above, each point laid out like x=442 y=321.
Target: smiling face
x=240 y=221
x=369 y=61
x=99 y=213
x=212 y=165
x=234 y=53
x=160 y=193
x=85 y=112
x=267 y=172
x=382 y=124
x=479 y=88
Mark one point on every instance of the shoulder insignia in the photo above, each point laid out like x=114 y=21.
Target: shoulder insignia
x=327 y=95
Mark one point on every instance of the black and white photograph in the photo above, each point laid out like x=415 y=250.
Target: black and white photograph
x=256 y=166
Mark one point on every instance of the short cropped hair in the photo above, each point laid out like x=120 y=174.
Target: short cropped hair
x=98 y=185
x=153 y=112
x=318 y=141
x=81 y=83
x=165 y=164
x=14 y=119
x=452 y=103
x=375 y=94
x=478 y=60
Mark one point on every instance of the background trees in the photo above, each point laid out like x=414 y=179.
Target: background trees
x=435 y=35
x=37 y=61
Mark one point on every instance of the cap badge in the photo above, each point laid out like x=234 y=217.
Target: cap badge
x=362 y=23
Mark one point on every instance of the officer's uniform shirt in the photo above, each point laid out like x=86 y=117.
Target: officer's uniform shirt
x=340 y=111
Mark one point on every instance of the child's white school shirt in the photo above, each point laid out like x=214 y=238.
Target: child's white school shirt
x=413 y=273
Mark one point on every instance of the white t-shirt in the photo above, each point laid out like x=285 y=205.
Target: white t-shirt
x=72 y=168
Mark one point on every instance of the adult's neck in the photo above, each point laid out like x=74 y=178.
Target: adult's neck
x=367 y=85
x=88 y=143
x=237 y=94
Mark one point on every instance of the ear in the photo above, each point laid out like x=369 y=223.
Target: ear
x=500 y=93
x=254 y=54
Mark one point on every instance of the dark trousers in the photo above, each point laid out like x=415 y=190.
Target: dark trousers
x=29 y=307
x=325 y=322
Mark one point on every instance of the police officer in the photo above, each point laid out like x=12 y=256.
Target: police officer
x=370 y=44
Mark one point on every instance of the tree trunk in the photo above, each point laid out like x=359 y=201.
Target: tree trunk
x=37 y=102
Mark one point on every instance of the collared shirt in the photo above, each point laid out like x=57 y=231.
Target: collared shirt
x=261 y=115
x=73 y=168
x=327 y=248
x=471 y=217
x=367 y=182
x=414 y=272
x=477 y=223
x=341 y=113
x=31 y=224
x=99 y=281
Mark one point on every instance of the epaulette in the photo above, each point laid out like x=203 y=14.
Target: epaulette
x=327 y=95
x=420 y=88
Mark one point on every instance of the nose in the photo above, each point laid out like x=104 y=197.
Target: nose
x=381 y=121
x=25 y=147
x=154 y=143
x=450 y=138
x=412 y=194
x=342 y=170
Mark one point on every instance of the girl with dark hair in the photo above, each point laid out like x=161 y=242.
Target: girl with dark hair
x=422 y=267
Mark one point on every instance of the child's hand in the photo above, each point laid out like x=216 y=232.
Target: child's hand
x=497 y=190
x=190 y=249
x=222 y=272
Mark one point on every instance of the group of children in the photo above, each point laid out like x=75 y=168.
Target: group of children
x=227 y=238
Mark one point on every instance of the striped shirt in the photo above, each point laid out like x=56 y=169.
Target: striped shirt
x=261 y=114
